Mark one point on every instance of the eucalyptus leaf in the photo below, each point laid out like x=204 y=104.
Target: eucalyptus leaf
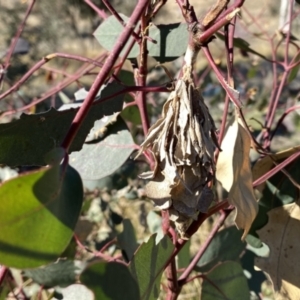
x=225 y=282
x=108 y=148
x=27 y=140
x=148 y=264
x=184 y=256
x=256 y=278
x=127 y=240
x=75 y=291
x=226 y=245
x=110 y=281
x=63 y=272
x=39 y=211
x=170 y=40
x=294 y=71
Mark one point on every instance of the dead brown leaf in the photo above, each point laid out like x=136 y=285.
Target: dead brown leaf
x=281 y=234
x=234 y=173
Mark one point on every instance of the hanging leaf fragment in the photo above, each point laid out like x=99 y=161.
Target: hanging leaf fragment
x=281 y=234
x=182 y=142
x=234 y=173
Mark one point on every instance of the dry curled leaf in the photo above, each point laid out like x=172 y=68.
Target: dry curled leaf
x=234 y=173
x=281 y=234
x=182 y=142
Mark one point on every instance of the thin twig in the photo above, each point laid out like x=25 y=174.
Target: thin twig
x=119 y=18
x=229 y=34
x=272 y=110
x=220 y=77
x=104 y=72
x=101 y=13
x=276 y=169
x=288 y=111
x=142 y=76
x=15 y=39
x=42 y=62
x=171 y=270
x=3 y=273
x=184 y=276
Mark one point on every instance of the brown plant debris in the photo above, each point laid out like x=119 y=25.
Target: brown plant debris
x=182 y=142
x=214 y=12
x=234 y=173
x=281 y=234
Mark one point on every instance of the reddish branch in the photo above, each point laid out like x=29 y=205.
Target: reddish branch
x=104 y=72
x=229 y=34
x=119 y=18
x=42 y=62
x=184 y=277
x=101 y=13
x=15 y=39
x=3 y=273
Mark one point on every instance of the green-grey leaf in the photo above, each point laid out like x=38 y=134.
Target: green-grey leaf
x=101 y=157
x=62 y=273
x=294 y=71
x=225 y=282
x=110 y=281
x=132 y=114
x=171 y=39
x=256 y=278
x=148 y=264
x=127 y=240
x=226 y=245
x=154 y=222
x=108 y=33
x=184 y=256
x=27 y=140
x=242 y=44
x=73 y=292
x=39 y=212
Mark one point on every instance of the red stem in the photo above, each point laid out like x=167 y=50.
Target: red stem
x=291 y=109
x=142 y=76
x=184 y=277
x=42 y=62
x=220 y=77
x=104 y=72
x=3 y=273
x=276 y=169
x=171 y=270
x=101 y=13
x=288 y=33
x=18 y=34
x=119 y=18
x=272 y=109
x=229 y=34
x=196 y=224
